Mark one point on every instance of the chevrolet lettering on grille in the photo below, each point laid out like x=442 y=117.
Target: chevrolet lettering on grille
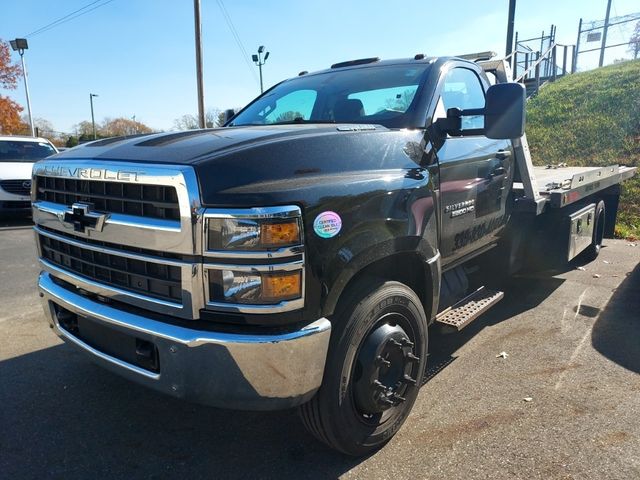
x=82 y=218
x=88 y=173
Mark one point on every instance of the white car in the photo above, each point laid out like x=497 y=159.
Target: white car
x=17 y=156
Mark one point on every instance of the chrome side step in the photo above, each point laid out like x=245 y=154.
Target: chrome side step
x=469 y=308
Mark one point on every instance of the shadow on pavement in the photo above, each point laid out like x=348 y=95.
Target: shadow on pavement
x=63 y=417
x=616 y=334
x=522 y=293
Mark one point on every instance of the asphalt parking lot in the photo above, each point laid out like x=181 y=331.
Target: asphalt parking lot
x=573 y=346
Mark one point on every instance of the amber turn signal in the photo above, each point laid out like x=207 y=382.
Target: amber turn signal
x=281 y=286
x=282 y=233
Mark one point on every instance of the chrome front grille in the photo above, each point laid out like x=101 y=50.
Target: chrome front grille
x=143 y=249
x=154 y=201
x=155 y=279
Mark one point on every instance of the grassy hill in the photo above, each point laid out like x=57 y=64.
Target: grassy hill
x=592 y=118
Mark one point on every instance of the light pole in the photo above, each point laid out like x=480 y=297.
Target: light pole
x=199 y=75
x=510 y=28
x=20 y=45
x=259 y=61
x=93 y=120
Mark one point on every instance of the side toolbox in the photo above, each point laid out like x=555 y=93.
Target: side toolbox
x=561 y=235
x=580 y=225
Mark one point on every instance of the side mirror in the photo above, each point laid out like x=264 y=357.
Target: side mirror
x=504 y=115
x=228 y=115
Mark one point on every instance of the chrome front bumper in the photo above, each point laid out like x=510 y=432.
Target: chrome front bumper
x=252 y=372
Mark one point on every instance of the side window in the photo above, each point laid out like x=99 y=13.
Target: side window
x=462 y=89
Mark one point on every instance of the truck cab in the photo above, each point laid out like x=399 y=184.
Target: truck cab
x=298 y=256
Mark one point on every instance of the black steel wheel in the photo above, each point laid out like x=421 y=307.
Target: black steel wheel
x=593 y=250
x=374 y=369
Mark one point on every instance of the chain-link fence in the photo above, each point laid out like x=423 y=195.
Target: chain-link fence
x=613 y=46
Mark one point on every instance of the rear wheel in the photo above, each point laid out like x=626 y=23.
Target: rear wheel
x=373 y=372
x=593 y=250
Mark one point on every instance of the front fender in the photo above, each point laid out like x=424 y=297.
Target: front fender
x=421 y=256
x=395 y=215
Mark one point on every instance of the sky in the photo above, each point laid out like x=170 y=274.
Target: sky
x=139 y=55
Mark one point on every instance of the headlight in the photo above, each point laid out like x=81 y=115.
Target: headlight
x=254 y=259
x=254 y=287
x=252 y=234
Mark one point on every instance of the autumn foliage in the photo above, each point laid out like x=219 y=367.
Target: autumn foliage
x=9 y=110
x=10 y=121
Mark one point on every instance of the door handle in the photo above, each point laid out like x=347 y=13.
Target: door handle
x=498 y=171
x=502 y=154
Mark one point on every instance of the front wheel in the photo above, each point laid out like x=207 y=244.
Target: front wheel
x=373 y=372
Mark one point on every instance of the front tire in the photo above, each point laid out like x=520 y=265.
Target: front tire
x=374 y=370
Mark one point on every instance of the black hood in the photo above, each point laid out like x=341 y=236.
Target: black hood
x=195 y=146
x=271 y=165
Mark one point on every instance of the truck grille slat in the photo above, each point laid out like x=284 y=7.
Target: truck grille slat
x=148 y=278
x=112 y=246
x=155 y=201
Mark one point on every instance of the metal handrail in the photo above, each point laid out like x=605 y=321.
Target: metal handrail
x=536 y=64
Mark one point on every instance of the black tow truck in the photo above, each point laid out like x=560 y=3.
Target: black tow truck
x=299 y=255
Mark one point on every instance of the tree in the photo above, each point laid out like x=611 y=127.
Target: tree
x=186 y=122
x=288 y=116
x=220 y=119
x=9 y=72
x=122 y=126
x=43 y=126
x=84 y=128
x=634 y=42
x=9 y=110
x=190 y=122
x=10 y=122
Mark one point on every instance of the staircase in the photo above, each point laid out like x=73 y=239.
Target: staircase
x=535 y=69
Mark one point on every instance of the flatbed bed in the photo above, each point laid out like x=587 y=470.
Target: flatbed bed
x=562 y=185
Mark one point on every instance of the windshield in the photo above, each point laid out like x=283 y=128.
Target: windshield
x=20 y=151
x=383 y=95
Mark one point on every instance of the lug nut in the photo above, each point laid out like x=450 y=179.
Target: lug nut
x=412 y=358
x=387 y=401
x=383 y=361
x=379 y=386
x=398 y=398
x=405 y=342
x=408 y=380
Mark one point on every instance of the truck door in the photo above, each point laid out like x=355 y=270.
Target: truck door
x=475 y=171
